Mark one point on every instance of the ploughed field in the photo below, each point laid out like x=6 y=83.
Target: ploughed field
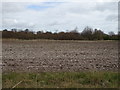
x=59 y=56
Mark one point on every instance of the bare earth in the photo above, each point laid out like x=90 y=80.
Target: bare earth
x=57 y=56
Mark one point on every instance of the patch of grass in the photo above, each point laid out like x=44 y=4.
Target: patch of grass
x=62 y=80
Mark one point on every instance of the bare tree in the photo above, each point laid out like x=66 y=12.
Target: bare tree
x=87 y=33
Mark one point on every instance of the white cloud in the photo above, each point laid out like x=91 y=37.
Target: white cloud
x=64 y=16
x=60 y=0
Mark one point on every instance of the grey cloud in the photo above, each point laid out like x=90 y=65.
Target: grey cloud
x=110 y=6
x=13 y=23
x=54 y=23
x=12 y=7
x=81 y=8
x=15 y=7
x=112 y=18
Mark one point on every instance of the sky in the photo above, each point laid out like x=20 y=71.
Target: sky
x=59 y=16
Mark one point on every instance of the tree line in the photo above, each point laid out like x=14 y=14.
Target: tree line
x=87 y=34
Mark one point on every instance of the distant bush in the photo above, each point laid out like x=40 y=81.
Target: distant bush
x=87 y=34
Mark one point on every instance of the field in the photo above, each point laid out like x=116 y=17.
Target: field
x=67 y=61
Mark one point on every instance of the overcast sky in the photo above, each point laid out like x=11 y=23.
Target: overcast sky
x=61 y=16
